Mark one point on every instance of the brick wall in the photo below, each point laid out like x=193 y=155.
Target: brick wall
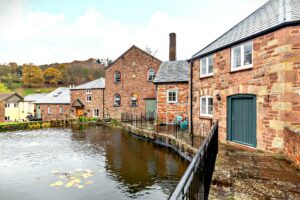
x=274 y=79
x=2 y=111
x=55 y=115
x=133 y=65
x=166 y=112
x=96 y=103
x=292 y=145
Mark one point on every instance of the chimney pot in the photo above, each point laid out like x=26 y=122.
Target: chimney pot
x=172 y=50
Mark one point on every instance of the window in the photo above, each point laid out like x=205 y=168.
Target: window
x=88 y=98
x=96 y=112
x=88 y=91
x=16 y=105
x=242 y=56
x=117 y=100
x=206 y=106
x=7 y=105
x=61 y=110
x=151 y=75
x=7 y=118
x=117 y=77
x=172 y=96
x=207 y=65
x=49 y=110
x=133 y=100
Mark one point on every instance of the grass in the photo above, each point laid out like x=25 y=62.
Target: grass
x=27 y=91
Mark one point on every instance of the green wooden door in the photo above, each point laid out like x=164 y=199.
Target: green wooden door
x=151 y=108
x=241 y=119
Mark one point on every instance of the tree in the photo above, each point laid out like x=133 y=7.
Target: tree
x=53 y=76
x=3 y=88
x=32 y=76
x=65 y=76
x=149 y=50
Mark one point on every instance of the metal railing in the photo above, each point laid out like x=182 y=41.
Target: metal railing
x=196 y=181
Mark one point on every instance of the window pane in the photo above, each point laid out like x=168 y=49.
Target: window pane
x=210 y=106
x=210 y=64
x=203 y=66
x=236 y=57
x=248 y=54
x=203 y=106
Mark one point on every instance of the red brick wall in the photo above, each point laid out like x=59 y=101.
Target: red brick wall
x=274 y=79
x=166 y=112
x=2 y=111
x=55 y=115
x=133 y=65
x=292 y=145
x=96 y=103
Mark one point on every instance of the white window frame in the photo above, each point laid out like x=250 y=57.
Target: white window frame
x=87 y=98
x=168 y=93
x=206 y=114
x=115 y=105
x=16 y=105
x=7 y=105
x=49 y=110
x=88 y=91
x=242 y=67
x=61 y=110
x=151 y=70
x=206 y=59
x=7 y=118
x=95 y=111
x=136 y=99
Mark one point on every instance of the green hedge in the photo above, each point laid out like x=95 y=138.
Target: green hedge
x=23 y=125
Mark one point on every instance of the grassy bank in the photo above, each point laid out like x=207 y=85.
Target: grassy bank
x=11 y=126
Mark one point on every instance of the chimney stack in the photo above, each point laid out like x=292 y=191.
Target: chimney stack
x=172 y=50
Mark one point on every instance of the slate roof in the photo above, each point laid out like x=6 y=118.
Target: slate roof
x=172 y=72
x=272 y=15
x=95 y=84
x=59 y=96
x=6 y=95
x=34 y=97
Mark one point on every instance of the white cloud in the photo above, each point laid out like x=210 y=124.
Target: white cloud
x=41 y=37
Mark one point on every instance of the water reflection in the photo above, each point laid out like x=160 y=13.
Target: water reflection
x=124 y=167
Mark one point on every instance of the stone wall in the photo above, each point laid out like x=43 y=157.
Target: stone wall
x=274 y=79
x=166 y=112
x=96 y=103
x=55 y=115
x=292 y=144
x=2 y=111
x=133 y=66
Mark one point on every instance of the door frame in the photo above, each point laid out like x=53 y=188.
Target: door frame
x=229 y=117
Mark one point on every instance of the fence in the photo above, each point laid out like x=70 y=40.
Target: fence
x=196 y=181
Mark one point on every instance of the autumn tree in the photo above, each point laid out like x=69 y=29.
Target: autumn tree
x=32 y=76
x=53 y=76
x=3 y=88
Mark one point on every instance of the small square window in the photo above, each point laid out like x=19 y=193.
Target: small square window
x=117 y=77
x=96 y=112
x=117 y=100
x=172 y=96
x=242 y=56
x=88 y=91
x=7 y=105
x=207 y=65
x=16 y=105
x=133 y=101
x=88 y=98
x=206 y=106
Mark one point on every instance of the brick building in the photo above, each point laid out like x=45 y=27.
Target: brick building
x=55 y=105
x=129 y=81
x=9 y=106
x=249 y=78
x=88 y=99
x=172 y=88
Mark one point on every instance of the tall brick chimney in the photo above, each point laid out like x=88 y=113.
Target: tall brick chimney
x=172 y=50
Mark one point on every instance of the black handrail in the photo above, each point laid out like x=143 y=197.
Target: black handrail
x=195 y=183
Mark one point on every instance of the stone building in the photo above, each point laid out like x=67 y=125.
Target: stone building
x=129 y=81
x=172 y=88
x=249 y=78
x=9 y=107
x=55 y=105
x=88 y=99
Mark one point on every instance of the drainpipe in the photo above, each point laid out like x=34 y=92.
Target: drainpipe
x=191 y=98
x=103 y=103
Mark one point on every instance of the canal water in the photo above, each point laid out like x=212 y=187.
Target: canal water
x=86 y=164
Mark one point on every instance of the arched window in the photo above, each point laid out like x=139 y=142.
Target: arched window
x=151 y=74
x=134 y=100
x=117 y=100
x=117 y=77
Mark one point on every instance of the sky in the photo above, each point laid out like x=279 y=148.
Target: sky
x=49 y=31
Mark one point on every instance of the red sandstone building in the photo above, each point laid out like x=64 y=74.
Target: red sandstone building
x=129 y=84
x=172 y=88
x=55 y=105
x=88 y=99
x=249 y=78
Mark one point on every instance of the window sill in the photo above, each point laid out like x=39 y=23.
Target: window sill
x=133 y=106
x=117 y=83
x=206 y=116
x=116 y=106
x=206 y=76
x=233 y=70
x=172 y=102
